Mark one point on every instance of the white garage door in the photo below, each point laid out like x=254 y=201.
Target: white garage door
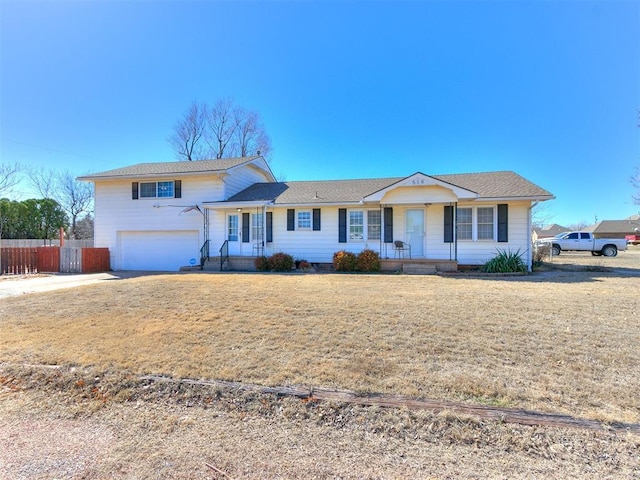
x=159 y=251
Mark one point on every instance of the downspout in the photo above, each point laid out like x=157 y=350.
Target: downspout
x=455 y=231
x=530 y=226
x=264 y=230
x=381 y=228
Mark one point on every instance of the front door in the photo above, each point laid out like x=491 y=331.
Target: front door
x=414 y=229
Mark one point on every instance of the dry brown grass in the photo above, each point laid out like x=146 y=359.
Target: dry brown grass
x=559 y=341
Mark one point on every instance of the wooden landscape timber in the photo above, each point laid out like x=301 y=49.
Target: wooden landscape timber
x=506 y=415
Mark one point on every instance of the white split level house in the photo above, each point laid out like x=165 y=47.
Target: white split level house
x=168 y=215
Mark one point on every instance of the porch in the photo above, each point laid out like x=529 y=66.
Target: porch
x=409 y=266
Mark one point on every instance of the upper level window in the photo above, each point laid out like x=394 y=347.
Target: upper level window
x=157 y=189
x=304 y=220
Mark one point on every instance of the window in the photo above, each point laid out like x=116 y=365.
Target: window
x=233 y=228
x=148 y=190
x=485 y=223
x=477 y=223
x=304 y=220
x=257 y=220
x=464 y=223
x=363 y=225
x=157 y=189
x=373 y=225
x=356 y=225
x=165 y=189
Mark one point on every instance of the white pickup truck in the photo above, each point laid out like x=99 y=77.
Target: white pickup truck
x=584 y=241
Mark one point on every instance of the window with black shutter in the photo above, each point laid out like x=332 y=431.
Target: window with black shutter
x=291 y=219
x=503 y=222
x=448 y=224
x=316 y=219
x=342 y=225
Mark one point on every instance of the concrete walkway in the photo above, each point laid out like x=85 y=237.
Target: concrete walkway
x=11 y=286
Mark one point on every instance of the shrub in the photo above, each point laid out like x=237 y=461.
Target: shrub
x=541 y=253
x=303 y=264
x=368 y=261
x=280 y=262
x=262 y=264
x=506 y=262
x=344 y=261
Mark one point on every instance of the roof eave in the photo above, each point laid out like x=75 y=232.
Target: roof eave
x=529 y=198
x=89 y=178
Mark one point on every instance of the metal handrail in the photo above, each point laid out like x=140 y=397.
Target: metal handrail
x=224 y=253
x=204 y=253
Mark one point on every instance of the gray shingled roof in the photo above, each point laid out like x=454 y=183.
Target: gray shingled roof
x=169 y=168
x=624 y=227
x=487 y=185
x=503 y=184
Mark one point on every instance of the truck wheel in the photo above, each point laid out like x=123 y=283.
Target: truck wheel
x=555 y=250
x=610 y=251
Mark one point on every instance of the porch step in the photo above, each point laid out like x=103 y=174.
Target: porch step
x=419 y=268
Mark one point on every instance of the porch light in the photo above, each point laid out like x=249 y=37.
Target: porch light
x=239 y=209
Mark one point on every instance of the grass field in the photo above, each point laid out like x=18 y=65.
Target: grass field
x=564 y=340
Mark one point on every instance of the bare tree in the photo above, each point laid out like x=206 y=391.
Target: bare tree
x=581 y=225
x=75 y=197
x=250 y=137
x=9 y=177
x=43 y=181
x=635 y=181
x=187 y=137
x=227 y=129
x=541 y=214
x=221 y=127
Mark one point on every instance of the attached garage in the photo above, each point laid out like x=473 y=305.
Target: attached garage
x=158 y=250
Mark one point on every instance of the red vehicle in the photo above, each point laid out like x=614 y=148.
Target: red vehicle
x=632 y=239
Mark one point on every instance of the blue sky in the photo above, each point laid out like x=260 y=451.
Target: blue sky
x=346 y=89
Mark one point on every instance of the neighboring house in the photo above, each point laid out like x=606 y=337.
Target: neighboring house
x=158 y=216
x=615 y=228
x=548 y=231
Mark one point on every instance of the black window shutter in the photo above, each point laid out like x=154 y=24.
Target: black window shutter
x=448 y=223
x=291 y=219
x=269 y=227
x=245 y=228
x=316 y=219
x=388 y=225
x=342 y=225
x=177 y=188
x=134 y=191
x=503 y=222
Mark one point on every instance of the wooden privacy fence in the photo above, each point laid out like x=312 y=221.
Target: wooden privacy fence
x=21 y=260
